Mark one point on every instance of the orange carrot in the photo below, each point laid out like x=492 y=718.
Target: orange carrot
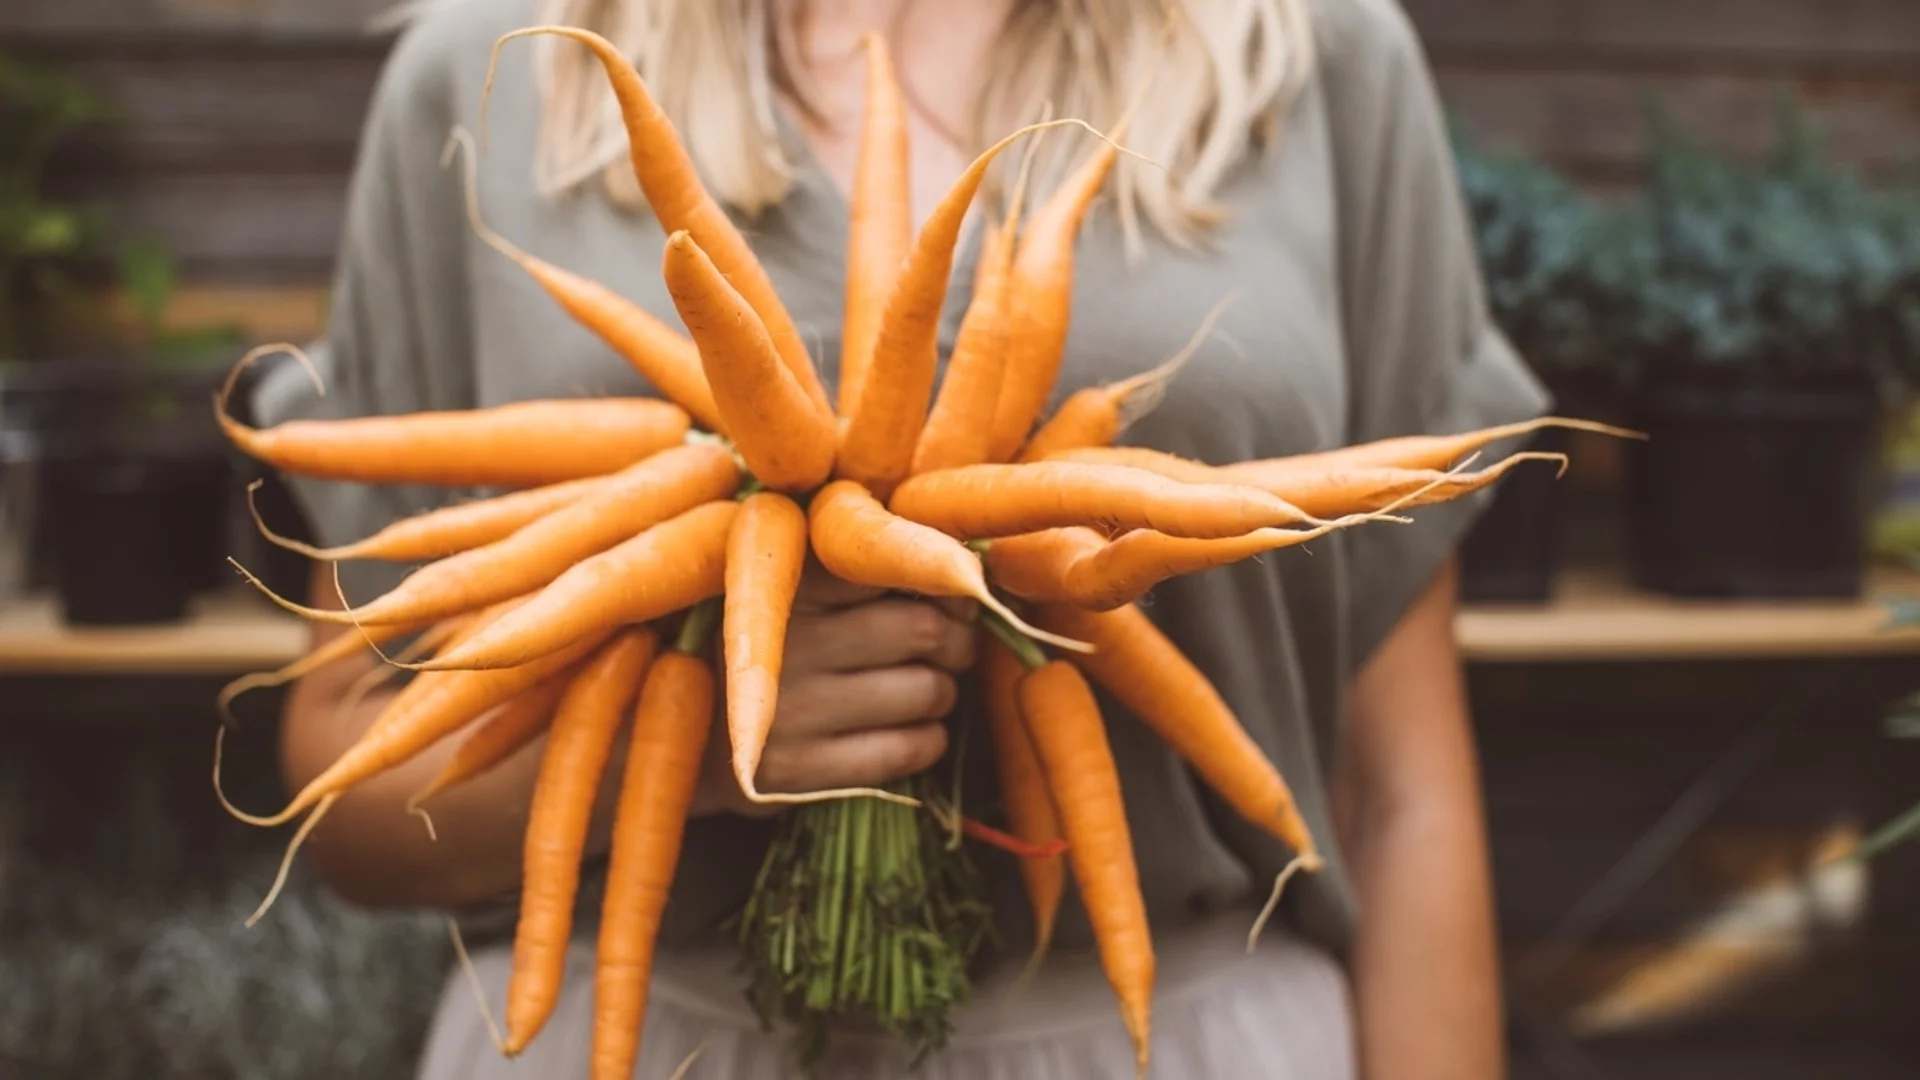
x=786 y=441
x=1034 y=566
x=662 y=355
x=1171 y=466
x=858 y=541
x=590 y=715
x=672 y=565
x=427 y=710
x=881 y=230
x=1023 y=787
x=1422 y=451
x=681 y=202
x=1070 y=740
x=877 y=447
x=984 y=501
x=1368 y=487
x=663 y=763
x=1042 y=292
x=1097 y=415
x=1150 y=677
x=766 y=551
x=446 y=530
x=655 y=490
x=499 y=736
x=339 y=647
x=957 y=427
x=519 y=444
x=1121 y=571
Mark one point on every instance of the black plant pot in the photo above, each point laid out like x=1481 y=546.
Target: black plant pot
x=125 y=540
x=1512 y=553
x=1752 y=489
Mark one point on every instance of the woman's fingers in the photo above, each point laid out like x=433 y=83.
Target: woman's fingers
x=865 y=758
x=877 y=634
x=821 y=591
x=879 y=697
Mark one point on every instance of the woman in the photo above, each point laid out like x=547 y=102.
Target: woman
x=1308 y=168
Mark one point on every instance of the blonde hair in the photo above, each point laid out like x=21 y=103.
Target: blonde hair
x=1222 y=72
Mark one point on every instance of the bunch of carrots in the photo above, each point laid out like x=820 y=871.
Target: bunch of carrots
x=643 y=568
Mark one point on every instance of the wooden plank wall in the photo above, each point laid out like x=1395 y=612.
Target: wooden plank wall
x=243 y=114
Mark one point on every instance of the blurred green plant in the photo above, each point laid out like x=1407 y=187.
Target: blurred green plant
x=1559 y=272
x=41 y=108
x=1788 y=269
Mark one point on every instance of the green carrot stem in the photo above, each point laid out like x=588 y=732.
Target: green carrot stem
x=698 y=625
x=1023 y=646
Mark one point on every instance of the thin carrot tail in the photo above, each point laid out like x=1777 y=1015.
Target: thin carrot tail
x=292 y=811
x=786 y=798
x=305 y=612
x=473 y=981
x=1141 y=394
x=286 y=861
x=234 y=429
x=266 y=532
x=1306 y=860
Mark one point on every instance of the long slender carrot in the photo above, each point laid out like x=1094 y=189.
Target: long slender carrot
x=662 y=355
x=766 y=551
x=657 y=489
x=1070 y=740
x=1096 y=416
x=446 y=530
x=339 y=647
x=786 y=441
x=961 y=421
x=497 y=738
x=1370 y=487
x=1171 y=466
x=428 y=709
x=859 y=541
x=663 y=762
x=957 y=426
x=1422 y=451
x=1023 y=788
x=591 y=713
x=519 y=444
x=1127 y=568
x=680 y=201
x=672 y=565
x=985 y=501
x=878 y=444
x=1150 y=677
x=1042 y=291
x=881 y=230
x=1034 y=566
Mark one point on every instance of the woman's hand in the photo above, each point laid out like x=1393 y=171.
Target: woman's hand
x=866 y=680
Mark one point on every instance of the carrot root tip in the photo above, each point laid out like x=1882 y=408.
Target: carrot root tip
x=479 y=991
x=286 y=860
x=1308 y=861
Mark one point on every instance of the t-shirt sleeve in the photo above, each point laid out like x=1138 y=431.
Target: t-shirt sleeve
x=397 y=338
x=1424 y=355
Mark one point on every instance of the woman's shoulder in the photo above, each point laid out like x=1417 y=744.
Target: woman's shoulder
x=446 y=44
x=1361 y=36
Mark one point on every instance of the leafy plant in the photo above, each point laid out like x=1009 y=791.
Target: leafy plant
x=1559 y=271
x=41 y=108
x=1792 y=267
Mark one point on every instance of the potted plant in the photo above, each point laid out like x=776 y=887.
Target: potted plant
x=1556 y=271
x=109 y=449
x=1775 y=309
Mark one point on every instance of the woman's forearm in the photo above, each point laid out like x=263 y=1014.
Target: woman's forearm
x=368 y=847
x=1425 y=963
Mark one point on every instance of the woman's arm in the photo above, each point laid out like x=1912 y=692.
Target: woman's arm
x=1407 y=793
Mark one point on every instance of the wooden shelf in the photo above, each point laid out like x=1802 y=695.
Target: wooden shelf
x=225 y=633
x=1593 y=617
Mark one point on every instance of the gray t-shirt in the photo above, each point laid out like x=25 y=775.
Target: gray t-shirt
x=1361 y=316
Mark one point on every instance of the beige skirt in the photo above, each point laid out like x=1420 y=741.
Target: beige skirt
x=1282 y=1013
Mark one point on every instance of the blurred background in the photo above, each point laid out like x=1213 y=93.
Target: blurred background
x=1689 y=660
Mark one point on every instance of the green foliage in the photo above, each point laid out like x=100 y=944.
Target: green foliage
x=1791 y=267
x=1788 y=268
x=1559 y=272
x=41 y=109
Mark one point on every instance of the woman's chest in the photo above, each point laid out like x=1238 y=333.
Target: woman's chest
x=1268 y=379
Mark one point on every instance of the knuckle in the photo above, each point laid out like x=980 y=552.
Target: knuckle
x=925 y=626
x=938 y=693
x=911 y=750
